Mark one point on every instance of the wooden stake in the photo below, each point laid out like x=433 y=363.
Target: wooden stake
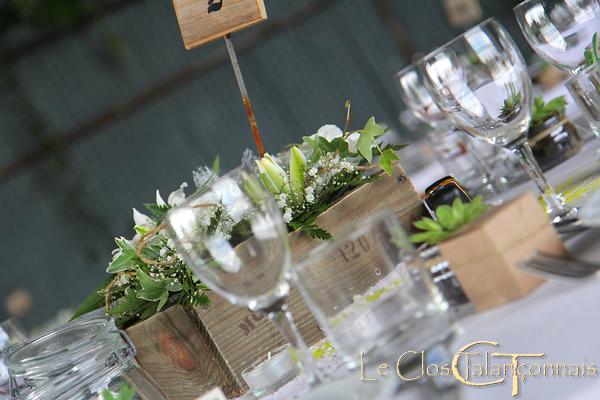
x=245 y=99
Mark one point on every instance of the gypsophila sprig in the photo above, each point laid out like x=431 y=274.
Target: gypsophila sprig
x=306 y=180
x=449 y=220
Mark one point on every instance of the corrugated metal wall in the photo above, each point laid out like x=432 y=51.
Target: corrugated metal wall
x=59 y=216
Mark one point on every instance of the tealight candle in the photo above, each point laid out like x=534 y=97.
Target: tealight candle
x=272 y=371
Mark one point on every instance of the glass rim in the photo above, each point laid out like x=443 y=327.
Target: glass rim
x=523 y=4
x=412 y=66
x=259 y=361
x=96 y=325
x=387 y=215
x=582 y=73
x=486 y=22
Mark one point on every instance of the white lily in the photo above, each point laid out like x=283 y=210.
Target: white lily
x=329 y=132
x=177 y=197
x=297 y=172
x=159 y=200
x=271 y=174
x=143 y=220
x=352 y=141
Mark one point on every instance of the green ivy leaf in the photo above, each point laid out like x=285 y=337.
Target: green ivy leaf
x=126 y=259
x=152 y=289
x=373 y=128
x=385 y=160
x=162 y=301
x=364 y=145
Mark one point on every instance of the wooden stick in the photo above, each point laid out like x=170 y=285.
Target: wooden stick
x=244 y=92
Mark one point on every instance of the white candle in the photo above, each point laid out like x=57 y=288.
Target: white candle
x=272 y=371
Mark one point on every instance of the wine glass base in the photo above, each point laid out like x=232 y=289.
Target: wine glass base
x=571 y=216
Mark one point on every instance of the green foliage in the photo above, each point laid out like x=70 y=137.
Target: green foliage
x=449 y=220
x=368 y=138
x=216 y=165
x=542 y=111
x=126 y=392
x=386 y=159
x=592 y=55
x=306 y=220
x=512 y=103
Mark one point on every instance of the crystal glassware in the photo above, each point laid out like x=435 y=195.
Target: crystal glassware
x=370 y=292
x=455 y=150
x=560 y=31
x=585 y=90
x=232 y=236
x=78 y=360
x=481 y=81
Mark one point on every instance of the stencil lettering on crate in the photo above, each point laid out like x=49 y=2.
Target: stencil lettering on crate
x=249 y=323
x=353 y=249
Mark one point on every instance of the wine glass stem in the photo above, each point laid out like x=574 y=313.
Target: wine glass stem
x=555 y=204
x=284 y=321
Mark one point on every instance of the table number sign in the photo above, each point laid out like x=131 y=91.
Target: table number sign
x=202 y=21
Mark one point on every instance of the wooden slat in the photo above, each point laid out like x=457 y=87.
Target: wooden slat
x=175 y=350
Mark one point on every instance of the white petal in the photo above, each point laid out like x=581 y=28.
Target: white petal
x=178 y=196
x=330 y=132
x=159 y=200
x=142 y=220
x=353 y=141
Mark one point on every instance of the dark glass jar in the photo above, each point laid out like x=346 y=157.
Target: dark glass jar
x=554 y=141
x=444 y=191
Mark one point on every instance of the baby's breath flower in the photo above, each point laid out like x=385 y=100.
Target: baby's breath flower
x=287 y=215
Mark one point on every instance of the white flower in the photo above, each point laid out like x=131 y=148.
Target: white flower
x=142 y=220
x=329 y=132
x=177 y=197
x=353 y=142
x=159 y=200
x=313 y=171
x=204 y=176
x=287 y=215
x=163 y=252
x=310 y=198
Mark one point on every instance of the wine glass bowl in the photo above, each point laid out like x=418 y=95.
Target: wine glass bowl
x=560 y=31
x=416 y=97
x=234 y=240
x=480 y=80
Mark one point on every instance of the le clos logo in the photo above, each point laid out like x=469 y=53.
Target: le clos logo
x=214 y=5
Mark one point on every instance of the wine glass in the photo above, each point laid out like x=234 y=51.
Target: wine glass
x=418 y=100
x=369 y=290
x=232 y=236
x=481 y=81
x=560 y=31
